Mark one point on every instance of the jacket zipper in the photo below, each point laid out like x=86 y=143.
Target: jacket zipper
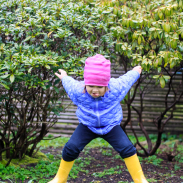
x=98 y=115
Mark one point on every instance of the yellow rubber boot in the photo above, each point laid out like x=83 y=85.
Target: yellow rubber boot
x=63 y=172
x=135 y=169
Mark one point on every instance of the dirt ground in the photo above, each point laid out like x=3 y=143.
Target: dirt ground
x=104 y=158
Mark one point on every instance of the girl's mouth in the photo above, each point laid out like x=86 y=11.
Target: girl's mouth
x=95 y=94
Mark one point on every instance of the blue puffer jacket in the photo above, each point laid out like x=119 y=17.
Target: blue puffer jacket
x=100 y=114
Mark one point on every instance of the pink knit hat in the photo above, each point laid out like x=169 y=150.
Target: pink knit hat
x=97 y=71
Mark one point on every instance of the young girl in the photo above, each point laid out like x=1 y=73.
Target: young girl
x=99 y=112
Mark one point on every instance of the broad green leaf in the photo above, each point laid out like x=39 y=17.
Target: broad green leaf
x=44 y=87
x=180 y=48
x=56 y=89
x=139 y=40
x=106 y=12
x=172 y=64
x=180 y=55
x=29 y=71
x=71 y=73
x=30 y=181
x=156 y=76
x=7 y=87
x=159 y=69
x=46 y=80
x=49 y=33
x=4 y=76
x=47 y=66
x=12 y=78
x=166 y=77
x=162 y=82
x=152 y=29
x=160 y=60
x=57 y=81
x=28 y=8
x=26 y=39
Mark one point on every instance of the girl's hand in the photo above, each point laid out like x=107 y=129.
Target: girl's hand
x=138 y=69
x=63 y=73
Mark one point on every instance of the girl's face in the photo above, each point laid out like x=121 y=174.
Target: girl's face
x=96 y=91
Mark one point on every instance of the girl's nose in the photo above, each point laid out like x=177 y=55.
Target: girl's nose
x=95 y=90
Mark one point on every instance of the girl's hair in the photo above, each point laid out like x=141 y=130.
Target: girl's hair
x=106 y=89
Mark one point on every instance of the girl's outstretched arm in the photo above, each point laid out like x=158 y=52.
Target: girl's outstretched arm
x=125 y=82
x=73 y=87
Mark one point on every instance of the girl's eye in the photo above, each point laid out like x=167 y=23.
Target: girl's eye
x=100 y=86
x=90 y=86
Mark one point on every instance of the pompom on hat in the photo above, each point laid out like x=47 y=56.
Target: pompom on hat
x=97 y=71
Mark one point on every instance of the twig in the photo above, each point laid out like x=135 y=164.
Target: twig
x=52 y=138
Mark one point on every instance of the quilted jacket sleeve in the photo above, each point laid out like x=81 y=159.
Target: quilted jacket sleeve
x=73 y=88
x=125 y=82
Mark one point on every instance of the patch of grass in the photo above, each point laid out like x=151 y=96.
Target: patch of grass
x=154 y=160
x=79 y=166
x=57 y=142
x=140 y=159
x=42 y=169
x=170 y=137
x=151 y=180
x=117 y=156
x=110 y=171
x=180 y=148
x=159 y=151
x=167 y=175
x=98 y=142
x=86 y=150
x=61 y=141
x=179 y=158
x=107 y=152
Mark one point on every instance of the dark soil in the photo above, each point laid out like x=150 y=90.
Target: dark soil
x=106 y=158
